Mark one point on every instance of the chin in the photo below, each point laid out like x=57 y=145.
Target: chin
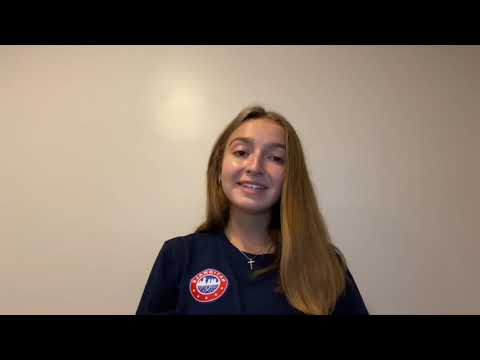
x=252 y=208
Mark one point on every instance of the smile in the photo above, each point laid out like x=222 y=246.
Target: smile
x=252 y=189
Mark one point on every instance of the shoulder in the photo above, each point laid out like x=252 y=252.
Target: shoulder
x=351 y=302
x=177 y=252
x=190 y=242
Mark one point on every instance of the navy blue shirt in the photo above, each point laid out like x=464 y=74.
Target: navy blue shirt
x=203 y=273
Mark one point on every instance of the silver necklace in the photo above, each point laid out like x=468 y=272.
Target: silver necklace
x=250 y=260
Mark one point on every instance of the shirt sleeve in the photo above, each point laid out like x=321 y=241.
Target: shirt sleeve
x=161 y=291
x=351 y=302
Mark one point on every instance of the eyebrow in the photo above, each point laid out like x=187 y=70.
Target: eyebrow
x=251 y=141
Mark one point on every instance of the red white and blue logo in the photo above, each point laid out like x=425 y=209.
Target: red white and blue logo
x=208 y=285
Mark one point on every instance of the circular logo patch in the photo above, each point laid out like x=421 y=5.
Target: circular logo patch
x=208 y=285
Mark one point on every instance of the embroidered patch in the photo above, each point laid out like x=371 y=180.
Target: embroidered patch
x=208 y=285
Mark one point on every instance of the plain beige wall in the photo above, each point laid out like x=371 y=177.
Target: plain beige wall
x=103 y=153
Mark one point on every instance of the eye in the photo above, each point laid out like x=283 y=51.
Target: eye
x=239 y=151
x=278 y=159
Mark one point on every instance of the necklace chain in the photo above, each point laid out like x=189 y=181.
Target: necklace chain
x=251 y=260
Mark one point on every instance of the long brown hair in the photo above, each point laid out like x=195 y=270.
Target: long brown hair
x=312 y=269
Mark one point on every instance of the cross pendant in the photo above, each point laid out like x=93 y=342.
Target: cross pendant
x=251 y=264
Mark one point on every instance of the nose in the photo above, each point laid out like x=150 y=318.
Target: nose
x=254 y=164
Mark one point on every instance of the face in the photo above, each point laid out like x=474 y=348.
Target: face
x=255 y=153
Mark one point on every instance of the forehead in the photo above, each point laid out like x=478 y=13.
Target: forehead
x=261 y=131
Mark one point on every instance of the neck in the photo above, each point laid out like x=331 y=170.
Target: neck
x=249 y=232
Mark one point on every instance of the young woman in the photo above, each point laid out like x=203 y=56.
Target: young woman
x=264 y=247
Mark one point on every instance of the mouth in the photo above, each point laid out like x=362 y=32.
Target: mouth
x=252 y=188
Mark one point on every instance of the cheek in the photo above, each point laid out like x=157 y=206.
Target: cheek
x=278 y=176
x=230 y=168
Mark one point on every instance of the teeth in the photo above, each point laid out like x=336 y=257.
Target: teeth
x=257 y=187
